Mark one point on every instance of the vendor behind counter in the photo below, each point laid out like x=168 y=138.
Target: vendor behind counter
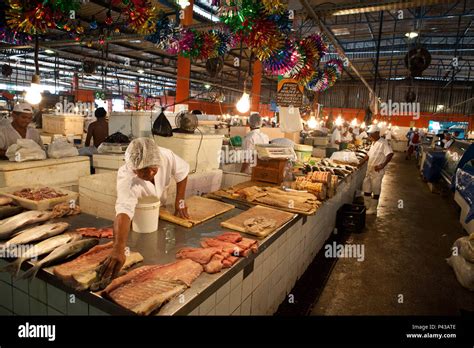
x=19 y=128
x=254 y=137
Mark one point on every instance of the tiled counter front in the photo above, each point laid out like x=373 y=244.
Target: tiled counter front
x=37 y=297
x=267 y=281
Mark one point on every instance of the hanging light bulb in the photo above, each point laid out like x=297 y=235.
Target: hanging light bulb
x=183 y=3
x=362 y=126
x=354 y=122
x=33 y=93
x=312 y=122
x=339 y=121
x=375 y=122
x=243 y=105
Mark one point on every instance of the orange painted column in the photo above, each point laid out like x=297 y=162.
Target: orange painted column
x=256 y=86
x=184 y=64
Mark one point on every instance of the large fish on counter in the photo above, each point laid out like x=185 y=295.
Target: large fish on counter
x=145 y=289
x=62 y=253
x=81 y=272
x=40 y=249
x=37 y=233
x=8 y=226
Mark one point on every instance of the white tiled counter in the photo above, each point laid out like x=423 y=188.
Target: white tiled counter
x=256 y=285
x=266 y=281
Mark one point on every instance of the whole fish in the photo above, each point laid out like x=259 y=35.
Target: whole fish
x=62 y=253
x=39 y=249
x=5 y=200
x=37 y=233
x=8 y=226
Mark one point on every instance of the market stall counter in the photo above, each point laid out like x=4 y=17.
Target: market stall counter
x=255 y=285
x=62 y=172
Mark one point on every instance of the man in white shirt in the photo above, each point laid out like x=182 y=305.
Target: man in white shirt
x=147 y=172
x=336 y=137
x=380 y=154
x=254 y=137
x=348 y=136
x=388 y=136
x=448 y=140
x=22 y=116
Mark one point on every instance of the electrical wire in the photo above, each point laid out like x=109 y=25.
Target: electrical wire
x=197 y=153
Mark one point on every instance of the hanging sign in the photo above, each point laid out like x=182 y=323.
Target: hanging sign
x=289 y=93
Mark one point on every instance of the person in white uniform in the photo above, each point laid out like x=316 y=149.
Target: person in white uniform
x=147 y=172
x=348 y=136
x=448 y=141
x=380 y=154
x=336 y=137
x=22 y=116
x=254 y=137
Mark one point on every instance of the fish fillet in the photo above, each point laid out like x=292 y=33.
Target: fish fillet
x=199 y=255
x=81 y=272
x=142 y=291
x=215 y=265
x=147 y=288
x=231 y=237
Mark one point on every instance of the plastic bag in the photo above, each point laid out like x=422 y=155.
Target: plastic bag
x=465 y=186
x=162 y=126
x=61 y=149
x=25 y=150
x=117 y=138
x=465 y=247
x=345 y=157
x=464 y=271
x=290 y=120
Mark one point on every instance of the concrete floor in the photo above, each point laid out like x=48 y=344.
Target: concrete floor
x=405 y=251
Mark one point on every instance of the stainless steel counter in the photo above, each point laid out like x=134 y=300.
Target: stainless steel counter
x=160 y=247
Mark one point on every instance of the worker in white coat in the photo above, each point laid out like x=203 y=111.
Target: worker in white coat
x=380 y=154
x=147 y=172
x=19 y=128
x=336 y=137
x=254 y=137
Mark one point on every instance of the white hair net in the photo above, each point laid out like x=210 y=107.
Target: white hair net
x=142 y=153
x=255 y=121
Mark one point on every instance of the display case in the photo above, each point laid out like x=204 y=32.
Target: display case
x=456 y=156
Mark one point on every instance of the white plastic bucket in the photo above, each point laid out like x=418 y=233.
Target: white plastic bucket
x=147 y=214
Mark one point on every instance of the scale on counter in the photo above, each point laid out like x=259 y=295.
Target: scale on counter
x=106 y=148
x=275 y=152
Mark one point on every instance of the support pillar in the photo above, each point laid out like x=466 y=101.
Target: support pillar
x=184 y=64
x=256 y=86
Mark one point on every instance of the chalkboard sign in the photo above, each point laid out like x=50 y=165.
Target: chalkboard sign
x=289 y=93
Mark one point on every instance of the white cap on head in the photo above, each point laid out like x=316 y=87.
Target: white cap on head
x=255 y=120
x=142 y=153
x=373 y=128
x=24 y=108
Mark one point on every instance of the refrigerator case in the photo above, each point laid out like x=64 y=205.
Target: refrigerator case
x=460 y=153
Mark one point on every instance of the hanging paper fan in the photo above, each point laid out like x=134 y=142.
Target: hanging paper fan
x=274 y=6
x=239 y=15
x=142 y=20
x=282 y=61
x=264 y=39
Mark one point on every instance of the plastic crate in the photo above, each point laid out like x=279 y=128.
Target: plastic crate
x=351 y=218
